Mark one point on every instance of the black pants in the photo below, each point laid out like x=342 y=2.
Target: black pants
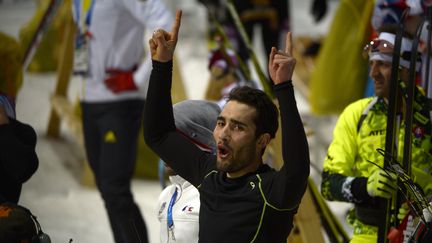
x=110 y=137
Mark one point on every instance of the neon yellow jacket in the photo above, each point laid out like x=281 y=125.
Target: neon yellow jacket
x=346 y=165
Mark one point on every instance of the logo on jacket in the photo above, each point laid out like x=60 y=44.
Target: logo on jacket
x=187 y=209
x=377 y=132
x=418 y=132
x=252 y=184
x=110 y=137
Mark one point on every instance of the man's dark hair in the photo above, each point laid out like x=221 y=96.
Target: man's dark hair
x=266 y=119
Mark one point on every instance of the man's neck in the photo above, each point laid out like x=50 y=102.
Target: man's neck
x=249 y=169
x=400 y=105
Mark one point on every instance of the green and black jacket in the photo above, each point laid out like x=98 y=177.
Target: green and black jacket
x=360 y=130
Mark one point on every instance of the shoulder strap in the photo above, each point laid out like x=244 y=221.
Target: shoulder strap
x=365 y=112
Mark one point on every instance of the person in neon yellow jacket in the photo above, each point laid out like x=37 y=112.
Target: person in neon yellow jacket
x=361 y=129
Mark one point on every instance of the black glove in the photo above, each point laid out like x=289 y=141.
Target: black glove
x=319 y=9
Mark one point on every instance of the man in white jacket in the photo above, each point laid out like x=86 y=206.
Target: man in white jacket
x=179 y=203
x=109 y=55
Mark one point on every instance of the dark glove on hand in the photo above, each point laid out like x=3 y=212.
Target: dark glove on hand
x=120 y=81
x=319 y=9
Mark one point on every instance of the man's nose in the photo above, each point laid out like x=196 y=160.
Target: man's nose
x=373 y=70
x=224 y=133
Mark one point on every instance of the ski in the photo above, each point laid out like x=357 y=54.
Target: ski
x=409 y=100
x=413 y=110
x=408 y=92
x=427 y=83
x=42 y=27
x=385 y=205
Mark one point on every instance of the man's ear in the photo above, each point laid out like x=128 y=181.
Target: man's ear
x=264 y=140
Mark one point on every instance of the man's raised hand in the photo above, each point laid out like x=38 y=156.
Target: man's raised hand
x=163 y=43
x=282 y=63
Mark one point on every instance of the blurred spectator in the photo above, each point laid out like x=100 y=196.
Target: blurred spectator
x=109 y=54
x=18 y=159
x=179 y=203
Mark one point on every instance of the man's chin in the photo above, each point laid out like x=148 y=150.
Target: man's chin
x=222 y=165
x=378 y=92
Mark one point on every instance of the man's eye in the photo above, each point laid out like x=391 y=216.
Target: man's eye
x=238 y=127
x=387 y=64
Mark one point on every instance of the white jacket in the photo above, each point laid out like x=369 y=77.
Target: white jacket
x=117 y=28
x=185 y=212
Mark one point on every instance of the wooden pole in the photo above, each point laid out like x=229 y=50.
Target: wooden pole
x=63 y=74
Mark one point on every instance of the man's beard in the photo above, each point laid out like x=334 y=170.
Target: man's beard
x=235 y=164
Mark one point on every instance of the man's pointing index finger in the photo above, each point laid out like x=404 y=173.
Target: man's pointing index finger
x=288 y=44
x=176 y=26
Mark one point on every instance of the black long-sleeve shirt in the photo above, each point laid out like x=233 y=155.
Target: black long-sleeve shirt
x=18 y=159
x=257 y=207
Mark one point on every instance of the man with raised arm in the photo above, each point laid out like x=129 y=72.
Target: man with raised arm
x=242 y=199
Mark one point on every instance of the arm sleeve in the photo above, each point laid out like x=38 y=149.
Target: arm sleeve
x=152 y=15
x=17 y=155
x=160 y=132
x=291 y=179
x=339 y=182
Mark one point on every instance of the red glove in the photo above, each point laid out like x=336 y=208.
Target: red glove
x=120 y=81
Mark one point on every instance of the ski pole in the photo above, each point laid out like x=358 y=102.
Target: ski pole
x=39 y=33
x=386 y=204
x=262 y=77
